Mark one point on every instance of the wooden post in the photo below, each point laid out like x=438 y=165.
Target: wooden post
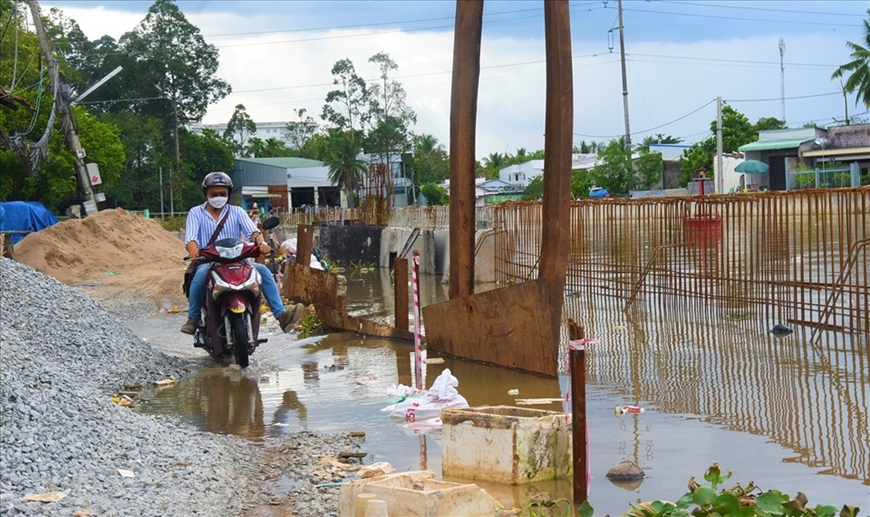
x=463 y=120
x=304 y=244
x=400 y=292
x=577 y=370
x=558 y=149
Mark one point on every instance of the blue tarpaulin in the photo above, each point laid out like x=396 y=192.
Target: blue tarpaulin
x=24 y=216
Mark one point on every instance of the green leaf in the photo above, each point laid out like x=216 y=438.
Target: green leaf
x=704 y=495
x=771 y=501
x=726 y=504
x=685 y=501
x=826 y=510
x=586 y=509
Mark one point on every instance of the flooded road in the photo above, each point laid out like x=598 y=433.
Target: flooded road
x=717 y=387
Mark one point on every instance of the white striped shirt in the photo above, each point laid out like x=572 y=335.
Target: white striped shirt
x=201 y=225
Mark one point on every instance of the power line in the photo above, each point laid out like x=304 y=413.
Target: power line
x=652 y=128
x=748 y=8
x=736 y=61
x=787 y=98
x=742 y=19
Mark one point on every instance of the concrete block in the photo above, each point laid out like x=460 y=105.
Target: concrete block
x=505 y=444
x=419 y=494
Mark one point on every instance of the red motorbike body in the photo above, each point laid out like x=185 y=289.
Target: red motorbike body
x=230 y=322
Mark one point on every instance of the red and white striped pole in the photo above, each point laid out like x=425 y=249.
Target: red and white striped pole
x=418 y=347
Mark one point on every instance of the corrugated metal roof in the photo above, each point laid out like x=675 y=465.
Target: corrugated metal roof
x=283 y=162
x=767 y=146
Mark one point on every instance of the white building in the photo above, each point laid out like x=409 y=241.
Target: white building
x=265 y=131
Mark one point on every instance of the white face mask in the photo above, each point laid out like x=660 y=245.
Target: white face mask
x=217 y=202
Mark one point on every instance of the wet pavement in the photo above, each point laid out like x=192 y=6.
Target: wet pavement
x=716 y=387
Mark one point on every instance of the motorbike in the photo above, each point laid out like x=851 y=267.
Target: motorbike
x=230 y=322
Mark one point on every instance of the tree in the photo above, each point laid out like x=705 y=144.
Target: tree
x=435 y=195
x=649 y=167
x=345 y=106
x=429 y=161
x=614 y=172
x=239 y=131
x=736 y=131
x=390 y=115
x=658 y=138
x=492 y=163
x=535 y=189
x=181 y=64
x=301 y=131
x=858 y=69
x=345 y=167
x=201 y=154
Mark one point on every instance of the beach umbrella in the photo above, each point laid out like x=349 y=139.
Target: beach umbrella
x=752 y=167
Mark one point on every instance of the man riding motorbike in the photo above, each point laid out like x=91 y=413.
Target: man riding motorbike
x=202 y=222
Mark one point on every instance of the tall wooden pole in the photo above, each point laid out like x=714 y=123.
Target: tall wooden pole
x=463 y=120
x=63 y=100
x=558 y=147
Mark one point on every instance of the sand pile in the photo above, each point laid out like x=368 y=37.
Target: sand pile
x=112 y=248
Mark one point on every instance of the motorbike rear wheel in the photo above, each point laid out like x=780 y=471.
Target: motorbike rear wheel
x=241 y=338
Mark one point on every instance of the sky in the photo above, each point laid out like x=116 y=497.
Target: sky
x=680 y=56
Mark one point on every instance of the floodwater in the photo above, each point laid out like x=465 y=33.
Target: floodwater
x=716 y=387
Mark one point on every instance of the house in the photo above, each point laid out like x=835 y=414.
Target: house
x=811 y=157
x=495 y=191
x=285 y=184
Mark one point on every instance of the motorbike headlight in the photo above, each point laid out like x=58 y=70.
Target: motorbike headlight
x=231 y=252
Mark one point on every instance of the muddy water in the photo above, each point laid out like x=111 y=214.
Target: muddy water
x=716 y=387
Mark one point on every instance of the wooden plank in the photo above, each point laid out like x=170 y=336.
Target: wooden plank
x=507 y=327
x=304 y=244
x=337 y=320
x=306 y=285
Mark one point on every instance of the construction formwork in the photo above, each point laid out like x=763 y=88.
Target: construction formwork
x=802 y=257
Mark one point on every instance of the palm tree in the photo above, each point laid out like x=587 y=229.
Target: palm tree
x=345 y=167
x=858 y=69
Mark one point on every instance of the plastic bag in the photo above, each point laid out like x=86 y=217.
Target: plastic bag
x=419 y=407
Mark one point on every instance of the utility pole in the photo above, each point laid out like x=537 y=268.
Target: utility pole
x=162 y=206
x=782 y=74
x=62 y=98
x=624 y=82
x=720 y=174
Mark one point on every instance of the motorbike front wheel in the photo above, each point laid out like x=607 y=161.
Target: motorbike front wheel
x=241 y=338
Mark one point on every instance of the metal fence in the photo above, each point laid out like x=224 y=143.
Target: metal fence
x=801 y=256
x=423 y=217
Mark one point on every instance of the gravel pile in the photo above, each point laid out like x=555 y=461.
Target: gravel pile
x=62 y=356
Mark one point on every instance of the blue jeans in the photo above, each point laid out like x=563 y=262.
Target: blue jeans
x=197 y=291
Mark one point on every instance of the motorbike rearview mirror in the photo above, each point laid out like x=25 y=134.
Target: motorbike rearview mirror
x=270 y=223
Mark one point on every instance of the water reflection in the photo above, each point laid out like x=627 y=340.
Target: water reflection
x=809 y=397
x=716 y=385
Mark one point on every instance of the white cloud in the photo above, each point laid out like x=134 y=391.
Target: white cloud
x=666 y=80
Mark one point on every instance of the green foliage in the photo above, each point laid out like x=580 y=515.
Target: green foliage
x=736 y=131
x=346 y=169
x=649 y=167
x=858 y=68
x=301 y=131
x=390 y=115
x=614 y=172
x=658 y=138
x=535 y=189
x=200 y=155
x=581 y=182
x=181 y=63
x=429 y=162
x=736 y=501
x=239 y=131
x=435 y=195
x=345 y=107
x=310 y=326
